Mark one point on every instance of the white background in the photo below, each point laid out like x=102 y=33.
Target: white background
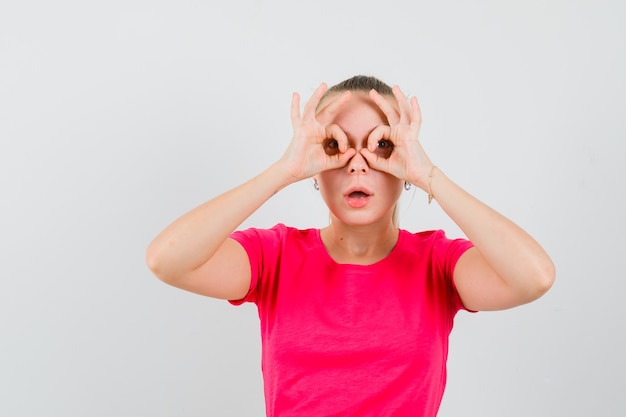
x=117 y=117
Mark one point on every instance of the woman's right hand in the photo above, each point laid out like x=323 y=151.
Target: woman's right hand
x=316 y=145
x=195 y=253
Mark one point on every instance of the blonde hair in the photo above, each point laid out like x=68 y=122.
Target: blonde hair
x=363 y=83
x=395 y=217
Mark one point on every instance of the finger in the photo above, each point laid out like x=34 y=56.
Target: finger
x=337 y=133
x=390 y=112
x=380 y=132
x=311 y=105
x=344 y=157
x=403 y=105
x=329 y=110
x=295 y=108
x=416 y=112
x=374 y=161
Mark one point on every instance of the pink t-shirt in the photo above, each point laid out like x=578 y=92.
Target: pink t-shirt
x=352 y=340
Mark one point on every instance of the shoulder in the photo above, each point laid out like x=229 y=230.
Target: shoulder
x=426 y=237
x=277 y=235
x=435 y=242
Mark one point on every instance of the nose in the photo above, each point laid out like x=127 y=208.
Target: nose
x=358 y=164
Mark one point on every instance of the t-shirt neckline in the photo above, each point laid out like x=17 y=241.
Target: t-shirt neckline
x=330 y=259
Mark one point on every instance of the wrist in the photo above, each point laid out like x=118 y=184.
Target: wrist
x=424 y=180
x=429 y=188
x=282 y=174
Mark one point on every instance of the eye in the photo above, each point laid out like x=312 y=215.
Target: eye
x=331 y=147
x=384 y=148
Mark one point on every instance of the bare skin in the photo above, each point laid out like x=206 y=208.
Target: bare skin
x=360 y=183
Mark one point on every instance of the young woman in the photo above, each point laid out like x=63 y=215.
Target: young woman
x=355 y=317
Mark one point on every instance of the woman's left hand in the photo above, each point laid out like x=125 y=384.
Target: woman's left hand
x=407 y=161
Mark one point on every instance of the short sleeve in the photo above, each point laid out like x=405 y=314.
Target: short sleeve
x=446 y=253
x=263 y=249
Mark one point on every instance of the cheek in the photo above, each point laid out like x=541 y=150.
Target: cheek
x=328 y=179
x=394 y=185
x=327 y=183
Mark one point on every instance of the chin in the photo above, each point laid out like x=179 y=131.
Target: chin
x=359 y=219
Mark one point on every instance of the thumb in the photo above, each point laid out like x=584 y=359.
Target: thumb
x=342 y=159
x=374 y=161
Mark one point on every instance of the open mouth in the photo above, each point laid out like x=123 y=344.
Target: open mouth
x=358 y=197
x=358 y=194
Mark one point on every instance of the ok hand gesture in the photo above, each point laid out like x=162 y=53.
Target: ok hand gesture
x=316 y=146
x=407 y=161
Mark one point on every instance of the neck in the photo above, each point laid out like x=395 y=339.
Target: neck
x=359 y=244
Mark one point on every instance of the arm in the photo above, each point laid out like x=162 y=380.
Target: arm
x=195 y=253
x=506 y=267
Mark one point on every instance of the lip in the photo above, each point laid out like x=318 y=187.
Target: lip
x=357 y=202
x=358 y=188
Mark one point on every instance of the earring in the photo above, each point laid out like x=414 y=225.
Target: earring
x=316 y=185
x=407 y=185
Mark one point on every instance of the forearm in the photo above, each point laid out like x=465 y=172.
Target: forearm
x=191 y=240
x=511 y=252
